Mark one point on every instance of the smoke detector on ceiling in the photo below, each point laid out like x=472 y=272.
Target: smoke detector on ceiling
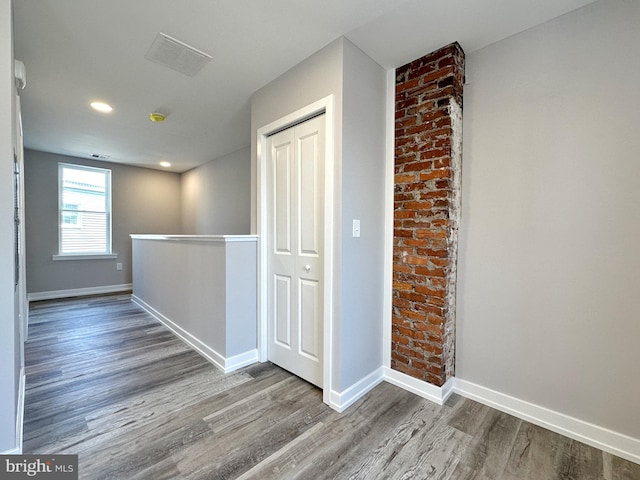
x=177 y=55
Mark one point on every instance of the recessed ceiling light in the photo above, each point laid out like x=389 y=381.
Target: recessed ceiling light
x=165 y=164
x=101 y=107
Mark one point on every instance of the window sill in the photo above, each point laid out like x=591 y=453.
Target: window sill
x=93 y=256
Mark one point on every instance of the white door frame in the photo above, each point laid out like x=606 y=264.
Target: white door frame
x=324 y=105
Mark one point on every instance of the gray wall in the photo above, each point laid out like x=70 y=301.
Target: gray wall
x=10 y=350
x=363 y=187
x=216 y=196
x=549 y=265
x=143 y=201
x=358 y=85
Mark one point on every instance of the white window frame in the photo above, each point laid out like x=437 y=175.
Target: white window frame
x=107 y=254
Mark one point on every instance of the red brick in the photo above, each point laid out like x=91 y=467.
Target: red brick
x=429 y=291
x=441 y=222
x=405 y=158
x=441 y=173
x=400 y=339
x=401 y=303
x=418 y=364
x=435 y=319
x=437 y=302
x=418 y=205
x=435 y=369
x=416 y=243
x=413 y=297
x=427 y=327
x=399 y=232
x=427 y=117
x=413 y=260
x=403 y=141
x=401 y=269
x=402 y=286
x=406 y=122
x=401 y=214
x=432 y=252
x=434 y=194
x=444 y=162
x=402 y=197
x=446 y=61
x=420 y=71
x=416 y=166
x=429 y=233
x=408 y=85
x=426 y=106
x=441 y=203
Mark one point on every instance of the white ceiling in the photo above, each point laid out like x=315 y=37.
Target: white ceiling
x=77 y=51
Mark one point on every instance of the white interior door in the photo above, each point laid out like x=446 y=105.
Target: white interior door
x=295 y=202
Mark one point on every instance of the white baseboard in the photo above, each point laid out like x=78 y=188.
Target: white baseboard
x=79 y=292
x=227 y=365
x=437 y=395
x=340 y=401
x=241 y=360
x=613 y=442
x=20 y=415
x=607 y=440
x=15 y=451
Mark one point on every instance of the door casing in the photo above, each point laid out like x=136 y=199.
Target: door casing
x=326 y=106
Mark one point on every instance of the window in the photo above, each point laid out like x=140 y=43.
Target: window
x=84 y=210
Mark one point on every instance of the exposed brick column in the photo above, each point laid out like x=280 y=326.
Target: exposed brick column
x=428 y=146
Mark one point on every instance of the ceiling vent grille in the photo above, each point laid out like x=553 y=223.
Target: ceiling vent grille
x=177 y=55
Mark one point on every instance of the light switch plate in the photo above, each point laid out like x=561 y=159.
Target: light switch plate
x=356 y=228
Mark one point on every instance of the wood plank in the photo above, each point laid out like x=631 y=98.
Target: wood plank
x=490 y=449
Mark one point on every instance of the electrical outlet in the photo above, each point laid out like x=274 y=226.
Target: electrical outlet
x=118 y=266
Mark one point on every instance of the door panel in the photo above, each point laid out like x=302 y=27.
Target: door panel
x=282 y=312
x=295 y=204
x=308 y=181
x=282 y=190
x=309 y=322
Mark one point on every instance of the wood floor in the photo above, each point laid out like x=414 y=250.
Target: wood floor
x=109 y=383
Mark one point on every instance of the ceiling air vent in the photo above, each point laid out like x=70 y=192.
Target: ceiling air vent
x=176 y=55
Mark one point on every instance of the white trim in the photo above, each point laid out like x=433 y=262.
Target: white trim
x=388 y=219
x=198 y=238
x=19 y=416
x=227 y=365
x=426 y=390
x=79 y=292
x=340 y=401
x=613 y=442
x=20 y=413
x=325 y=105
x=82 y=256
x=107 y=204
x=14 y=451
x=241 y=360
